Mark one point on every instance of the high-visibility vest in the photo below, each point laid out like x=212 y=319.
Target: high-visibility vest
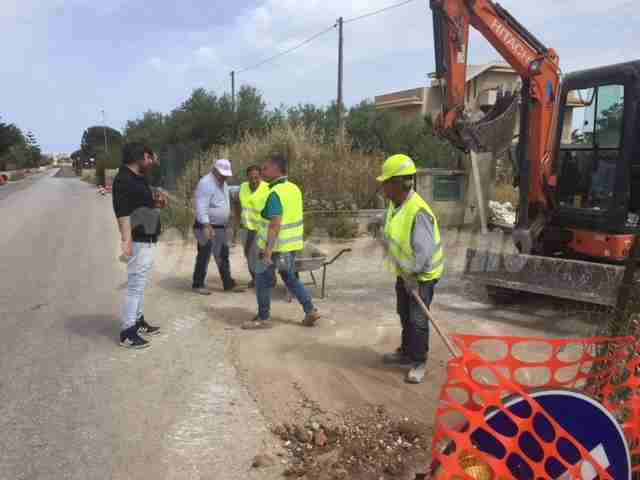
x=398 y=232
x=291 y=236
x=252 y=204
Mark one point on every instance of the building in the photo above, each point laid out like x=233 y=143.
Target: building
x=483 y=84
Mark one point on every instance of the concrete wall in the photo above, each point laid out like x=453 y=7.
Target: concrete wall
x=466 y=211
x=449 y=213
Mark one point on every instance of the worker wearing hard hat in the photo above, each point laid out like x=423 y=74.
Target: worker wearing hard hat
x=415 y=255
x=253 y=197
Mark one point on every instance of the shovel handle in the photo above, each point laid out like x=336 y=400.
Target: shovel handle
x=433 y=321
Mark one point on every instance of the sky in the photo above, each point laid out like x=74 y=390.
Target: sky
x=64 y=61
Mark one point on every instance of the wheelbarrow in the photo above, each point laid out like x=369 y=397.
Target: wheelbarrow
x=313 y=259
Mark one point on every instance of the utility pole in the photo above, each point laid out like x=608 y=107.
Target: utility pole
x=104 y=131
x=233 y=91
x=233 y=102
x=340 y=58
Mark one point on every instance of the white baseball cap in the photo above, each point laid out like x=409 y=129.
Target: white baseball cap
x=223 y=166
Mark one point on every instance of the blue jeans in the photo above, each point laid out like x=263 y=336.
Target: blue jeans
x=138 y=272
x=284 y=263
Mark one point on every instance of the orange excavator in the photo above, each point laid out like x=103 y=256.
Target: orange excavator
x=578 y=178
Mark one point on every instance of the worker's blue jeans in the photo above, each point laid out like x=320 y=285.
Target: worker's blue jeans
x=284 y=263
x=415 y=325
x=139 y=269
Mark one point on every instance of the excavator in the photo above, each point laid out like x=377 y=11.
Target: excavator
x=578 y=178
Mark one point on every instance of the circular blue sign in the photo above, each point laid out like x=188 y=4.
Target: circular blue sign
x=586 y=420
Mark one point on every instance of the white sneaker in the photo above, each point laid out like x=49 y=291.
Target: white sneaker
x=417 y=373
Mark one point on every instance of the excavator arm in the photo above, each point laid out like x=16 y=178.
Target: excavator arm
x=538 y=68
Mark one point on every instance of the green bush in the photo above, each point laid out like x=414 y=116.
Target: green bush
x=342 y=226
x=177 y=216
x=15 y=176
x=310 y=222
x=89 y=176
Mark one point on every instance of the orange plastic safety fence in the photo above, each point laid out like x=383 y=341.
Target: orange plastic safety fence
x=492 y=370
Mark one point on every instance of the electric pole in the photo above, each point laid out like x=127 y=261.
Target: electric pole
x=104 y=131
x=340 y=58
x=233 y=101
x=233 y=91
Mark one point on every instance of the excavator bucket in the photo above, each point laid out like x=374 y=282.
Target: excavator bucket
x=494 y=132
x=589 y=282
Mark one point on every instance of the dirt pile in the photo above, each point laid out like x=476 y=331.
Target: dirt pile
x=362 y=445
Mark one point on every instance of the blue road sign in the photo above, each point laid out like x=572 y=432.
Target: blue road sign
x=585 y=419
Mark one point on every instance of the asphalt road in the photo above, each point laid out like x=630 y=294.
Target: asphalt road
x=74 y=405
x=10 y=188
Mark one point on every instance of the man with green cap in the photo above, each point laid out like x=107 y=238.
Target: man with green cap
x=415 y=255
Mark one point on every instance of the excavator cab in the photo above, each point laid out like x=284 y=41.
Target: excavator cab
x=596 y=202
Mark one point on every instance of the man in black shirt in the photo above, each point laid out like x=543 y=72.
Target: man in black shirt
x=139 y=224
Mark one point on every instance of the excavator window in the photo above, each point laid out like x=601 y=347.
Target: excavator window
x=590 y=149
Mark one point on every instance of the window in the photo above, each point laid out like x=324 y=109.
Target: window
x=590 y=147
x=447 y=188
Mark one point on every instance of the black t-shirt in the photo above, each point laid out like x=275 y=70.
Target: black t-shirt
x=132 y=197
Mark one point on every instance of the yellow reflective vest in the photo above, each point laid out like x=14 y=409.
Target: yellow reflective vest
x=291 y=236
x=397 y=234
x=252 y=204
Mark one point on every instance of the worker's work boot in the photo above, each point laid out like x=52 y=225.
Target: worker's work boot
x=202 y=290
x=232 y=286
x=417 y=373
x=257 y=324
x=396 y=358
x=311 y=318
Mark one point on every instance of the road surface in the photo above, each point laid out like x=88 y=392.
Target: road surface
x=12 y=187
x=74 y=405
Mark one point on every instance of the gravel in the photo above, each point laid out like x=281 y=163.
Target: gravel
x=364 y=444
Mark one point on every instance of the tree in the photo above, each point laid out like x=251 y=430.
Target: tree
x=359 y=126
x=34 y=153
x=308 y=115
x=10 y=135
x=251 y=111
x=203 y=119
x=93 y=139
x=150 y=129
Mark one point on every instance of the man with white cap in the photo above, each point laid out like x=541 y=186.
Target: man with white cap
x=213 y=207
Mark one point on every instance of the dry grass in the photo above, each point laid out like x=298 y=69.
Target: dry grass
x=322 y=170
x=505 y=192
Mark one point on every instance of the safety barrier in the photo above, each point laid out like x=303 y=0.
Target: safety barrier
x=516 y=408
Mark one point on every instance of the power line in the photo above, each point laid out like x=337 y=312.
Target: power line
x=285 y=52
x=376 y=12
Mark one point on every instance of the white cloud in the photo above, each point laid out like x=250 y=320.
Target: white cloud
x=389 y=51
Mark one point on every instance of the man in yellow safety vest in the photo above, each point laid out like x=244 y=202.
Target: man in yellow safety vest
x=415 y=255
x=253 y=197
x=280 y=236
